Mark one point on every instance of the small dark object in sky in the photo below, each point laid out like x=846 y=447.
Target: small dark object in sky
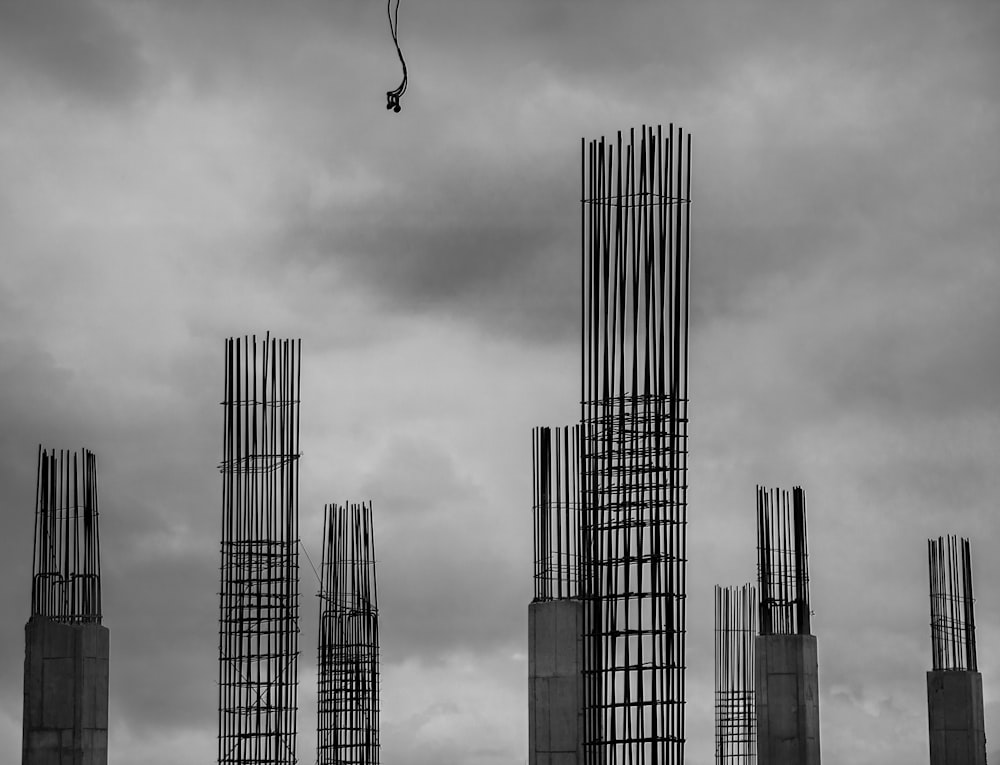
x=393 y=96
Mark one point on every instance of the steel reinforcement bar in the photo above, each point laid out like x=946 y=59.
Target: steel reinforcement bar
x=735 y=713
x=783 y=562
x=348 y=663
x=635 y=219
x=66 y=562
x=556 y=506
x=953 y=619
x=259 y=571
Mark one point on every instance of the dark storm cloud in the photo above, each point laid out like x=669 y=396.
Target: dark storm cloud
x=469 y=223
x=455 y=246
x=75 y=46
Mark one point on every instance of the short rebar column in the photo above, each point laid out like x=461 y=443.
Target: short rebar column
x=955 y=713
x=786 y=664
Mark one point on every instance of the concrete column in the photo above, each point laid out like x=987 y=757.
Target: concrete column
x=955 y=715
x=786 y=680
x=65 y=694
x=555 y=680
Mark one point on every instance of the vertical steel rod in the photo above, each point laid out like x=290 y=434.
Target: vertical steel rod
x=633 y=451
x=259 y=585
x=783 y=562
x=953 y=623
x=736 y=611
x=66 y=559
x=348 y=664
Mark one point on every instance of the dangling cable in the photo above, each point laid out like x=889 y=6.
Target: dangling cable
x=393 y=96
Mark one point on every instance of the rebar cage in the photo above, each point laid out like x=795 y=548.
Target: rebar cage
x=735 y=713
x=259 y=590
x=953 y=620
x=66 y=560
x=783 y=562
x=348 y=664
x=635 y=217
x=556 y=492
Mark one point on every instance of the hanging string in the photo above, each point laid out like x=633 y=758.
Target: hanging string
x=393 y=96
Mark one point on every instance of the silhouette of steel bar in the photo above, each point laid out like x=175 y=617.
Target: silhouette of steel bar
x=735 y=713
x=66 y=557
x=634 y=225
x=953 y=625
x=348 y=704
x=782 y=562
x=259 y=595
x=556 y=493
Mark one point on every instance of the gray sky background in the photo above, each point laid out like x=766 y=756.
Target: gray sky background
x=174 y=172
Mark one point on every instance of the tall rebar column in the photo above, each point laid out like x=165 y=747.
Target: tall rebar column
x=735 y=715
x=782 y=562
x=259 y=590
x=953 y=621
x=556 y=511
x=635 y=217
x=348 y=666
x=66 y=564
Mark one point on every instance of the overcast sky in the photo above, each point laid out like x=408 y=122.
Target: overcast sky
x=175 y=172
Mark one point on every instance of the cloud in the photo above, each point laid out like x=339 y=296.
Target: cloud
x=75 y=47
x=844 y=267
x=444 y=575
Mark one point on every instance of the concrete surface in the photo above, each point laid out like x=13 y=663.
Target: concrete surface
x=65 y=694
x=955 y=717
x=786 y=679
x=555 y=680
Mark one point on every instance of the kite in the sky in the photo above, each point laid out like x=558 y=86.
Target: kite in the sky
x=393 y=96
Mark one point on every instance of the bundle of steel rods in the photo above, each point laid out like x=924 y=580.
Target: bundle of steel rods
x=735 y=714
x=348 y=714
x=259 y=578
x=953 y=621
x=782 y=562
x=635 y=217
x=66 y=566
x=556 y=506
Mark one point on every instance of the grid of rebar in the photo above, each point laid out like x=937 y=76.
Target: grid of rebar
x=735 y=714
x=259 y=590
x=348 y=704
x=66 y=562
x=953 y=619
x=635 y=217
x=782 y=562
x=556 y=493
